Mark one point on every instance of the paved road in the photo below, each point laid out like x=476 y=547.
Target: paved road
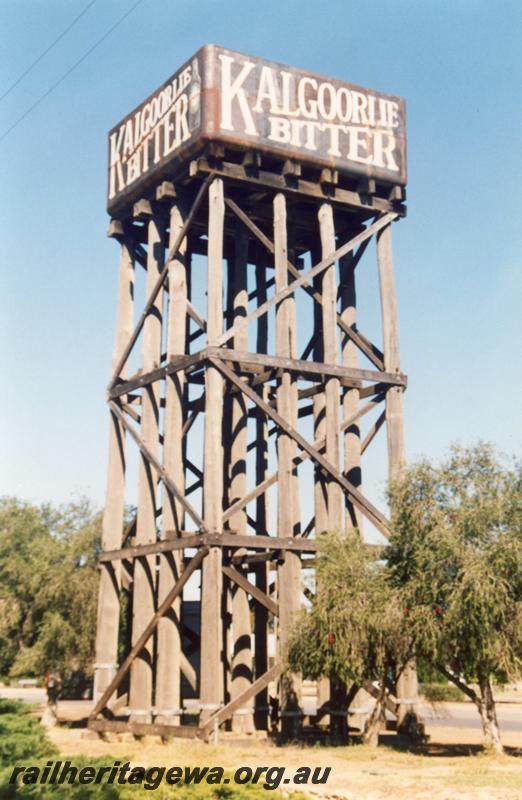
x=34 y=696
x=465 y=715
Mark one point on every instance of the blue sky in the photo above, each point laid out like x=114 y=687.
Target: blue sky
x=457 y=254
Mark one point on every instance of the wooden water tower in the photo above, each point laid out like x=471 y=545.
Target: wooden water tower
x=253 y=189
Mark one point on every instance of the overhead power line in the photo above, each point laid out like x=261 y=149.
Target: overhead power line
x=71 y=69
x=37 y=61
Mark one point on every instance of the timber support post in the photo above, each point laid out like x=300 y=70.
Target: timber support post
x=246 y=394
x=407 y=684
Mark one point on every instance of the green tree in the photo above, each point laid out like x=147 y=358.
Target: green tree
x=48 y=587
x=354 y=631
x=456 y=556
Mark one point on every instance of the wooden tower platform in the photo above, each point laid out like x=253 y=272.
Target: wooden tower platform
x=246 y=414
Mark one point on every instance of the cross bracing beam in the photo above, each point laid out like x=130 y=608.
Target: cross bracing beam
x=254 y=362
x=367 y=508
x=319 y=444
x=305 y=279
x=149 y=630
x=379 y=422
x=249 y=587
x=311 y=370
x=224 y=539
x=227 y=711
x=161 y=279
x=153 y=461
x=369 y=350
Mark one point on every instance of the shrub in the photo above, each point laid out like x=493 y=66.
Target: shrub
x=22 y=738
x=442 y=693
x=8 y=706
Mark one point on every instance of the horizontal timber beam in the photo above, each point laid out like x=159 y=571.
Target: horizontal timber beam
x=144 y=729
x=370 y=391
x=137 y=381
x=262 y=178
x=317 y=369
x=350 y=376
x=228 y=539
x=162 y=546
x=247 y=559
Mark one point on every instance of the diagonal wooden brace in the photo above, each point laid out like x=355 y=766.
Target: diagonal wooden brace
x=305 y=279
x=357 y=498
x=369 y=350
x=249 y=587
x=319 y=444
x=227 y=711
x=161 y=278
x=153 y=461
x=372 y=433
x=149 y=630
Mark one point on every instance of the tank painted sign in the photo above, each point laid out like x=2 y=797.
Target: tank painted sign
x=221 y=95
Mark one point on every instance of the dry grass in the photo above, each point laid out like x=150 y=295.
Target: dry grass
x=442 y=772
